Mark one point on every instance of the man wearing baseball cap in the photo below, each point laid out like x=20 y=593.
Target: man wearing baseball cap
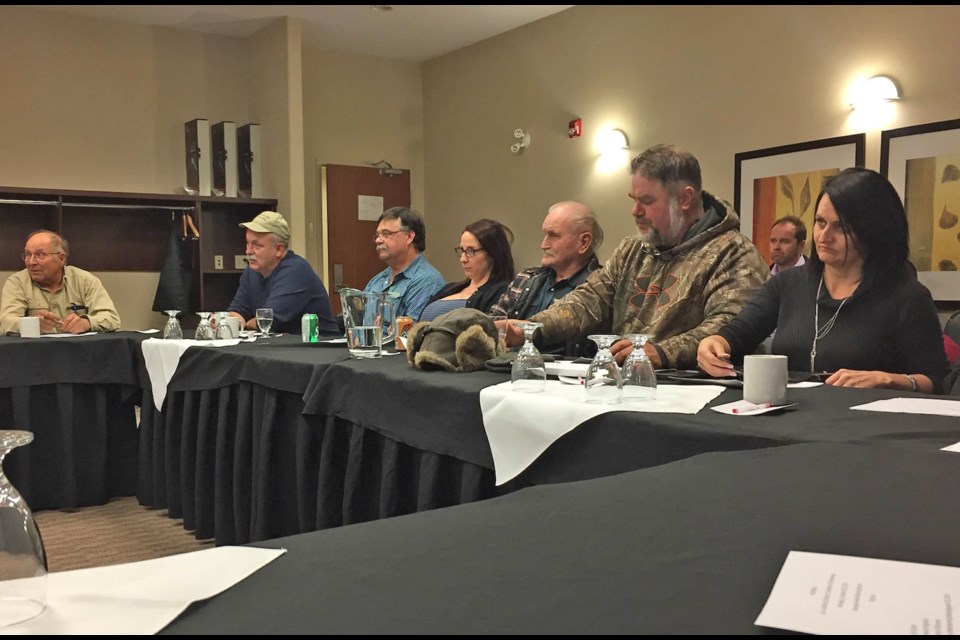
x=279 y=279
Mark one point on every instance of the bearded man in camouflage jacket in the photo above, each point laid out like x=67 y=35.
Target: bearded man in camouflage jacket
x=686 y=273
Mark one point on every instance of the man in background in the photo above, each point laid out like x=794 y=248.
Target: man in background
x=279 y=279
x=686 y=273
x=65 y=298
x=401 y=239
x=788 y=238
x=571 y=236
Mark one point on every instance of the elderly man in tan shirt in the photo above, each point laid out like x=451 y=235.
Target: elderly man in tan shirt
x=65 y=298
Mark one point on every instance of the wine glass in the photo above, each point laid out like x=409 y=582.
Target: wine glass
x=172 y=330
x=528 y=373
x=204 y=330
x=639 y=378
x=23 y=560
x=264 y=320
x=603 y=376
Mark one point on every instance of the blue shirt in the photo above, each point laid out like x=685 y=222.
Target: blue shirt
x=292 y=290
x=440 y=307
x=412 y=288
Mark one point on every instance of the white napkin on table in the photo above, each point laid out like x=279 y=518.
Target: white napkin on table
x=139 y=597
x=163 y=356
x=520 y=426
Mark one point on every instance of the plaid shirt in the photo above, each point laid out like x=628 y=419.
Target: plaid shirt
x=525 y=296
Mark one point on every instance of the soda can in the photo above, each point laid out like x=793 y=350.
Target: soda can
x=308 y=327
x=404 y=324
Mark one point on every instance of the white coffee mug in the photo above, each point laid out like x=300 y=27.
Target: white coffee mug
x=765 y=379
x=30 y=327
x=230 y=329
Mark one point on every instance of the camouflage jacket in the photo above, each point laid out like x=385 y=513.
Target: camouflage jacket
x=679 y=295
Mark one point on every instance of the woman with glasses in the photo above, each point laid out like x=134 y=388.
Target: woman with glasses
x=487 y=262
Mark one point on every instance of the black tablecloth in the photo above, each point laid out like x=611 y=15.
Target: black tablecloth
x=692 y=547
x=77 y=395
x=221 y=454
x=299 y=438
x=625 y=441
x=239 y=457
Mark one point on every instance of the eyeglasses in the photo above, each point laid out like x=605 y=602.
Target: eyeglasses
x=40 y=256
x=386 y=233
x=470 y=251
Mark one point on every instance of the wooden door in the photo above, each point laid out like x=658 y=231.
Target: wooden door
x=351 y=199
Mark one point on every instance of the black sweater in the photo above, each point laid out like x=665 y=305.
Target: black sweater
x=886 y=327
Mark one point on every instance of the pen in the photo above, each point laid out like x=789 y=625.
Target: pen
x=752 y=407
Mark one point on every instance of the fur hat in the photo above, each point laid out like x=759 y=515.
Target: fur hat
x=459 y=340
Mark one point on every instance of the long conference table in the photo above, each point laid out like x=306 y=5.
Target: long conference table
x=276 y=437
x=689 y=547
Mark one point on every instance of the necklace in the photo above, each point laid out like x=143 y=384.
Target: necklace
x=827 y=326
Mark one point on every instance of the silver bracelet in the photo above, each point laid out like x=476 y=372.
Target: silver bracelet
x=913 y=381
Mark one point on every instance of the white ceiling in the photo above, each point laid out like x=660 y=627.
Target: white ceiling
x=408 y=32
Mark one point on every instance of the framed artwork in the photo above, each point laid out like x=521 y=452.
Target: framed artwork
x=781 y=181
x=923 y=164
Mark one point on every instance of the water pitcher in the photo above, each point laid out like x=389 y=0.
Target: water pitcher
x=367 y=321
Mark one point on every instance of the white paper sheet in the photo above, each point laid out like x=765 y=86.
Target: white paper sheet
x=140 y=597
x=744 y=408
x=520 y=426
x=148 y=330
x=832 y=594
x=927 y=406
x=953 y=448
x=63 y=335
x=567 y=369
x=806 y=384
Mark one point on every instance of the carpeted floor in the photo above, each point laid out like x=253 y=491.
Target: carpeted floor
x=119 y=531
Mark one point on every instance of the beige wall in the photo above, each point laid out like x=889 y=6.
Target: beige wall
x=359 y=110
x=718 y=80
x=273 y=58
x=100 y=105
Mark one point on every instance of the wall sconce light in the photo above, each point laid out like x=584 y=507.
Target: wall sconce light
x=873 y=92
x=524 y=139
x=613 y=141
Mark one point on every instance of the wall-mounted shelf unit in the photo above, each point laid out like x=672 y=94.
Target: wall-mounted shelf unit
x=110 y=231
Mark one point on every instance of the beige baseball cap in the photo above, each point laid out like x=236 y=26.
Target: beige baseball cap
x=270 y=222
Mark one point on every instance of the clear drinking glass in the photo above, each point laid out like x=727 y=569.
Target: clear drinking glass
x=603 y=376
x=204 y=330
x=23 y=560
x=501 y=330
x=528 y=373
x=172 y=330
x=639 y=378
x=264 y=320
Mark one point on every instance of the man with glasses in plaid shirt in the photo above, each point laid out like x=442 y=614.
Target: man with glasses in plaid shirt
x=65 y=298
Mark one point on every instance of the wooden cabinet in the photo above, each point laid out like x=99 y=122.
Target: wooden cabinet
x=130 y=232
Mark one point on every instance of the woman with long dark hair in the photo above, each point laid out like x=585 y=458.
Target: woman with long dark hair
x=856 y=309
x=487 y=262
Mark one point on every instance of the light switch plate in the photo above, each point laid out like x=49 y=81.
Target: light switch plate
x=218 y=262
x=239 y=262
